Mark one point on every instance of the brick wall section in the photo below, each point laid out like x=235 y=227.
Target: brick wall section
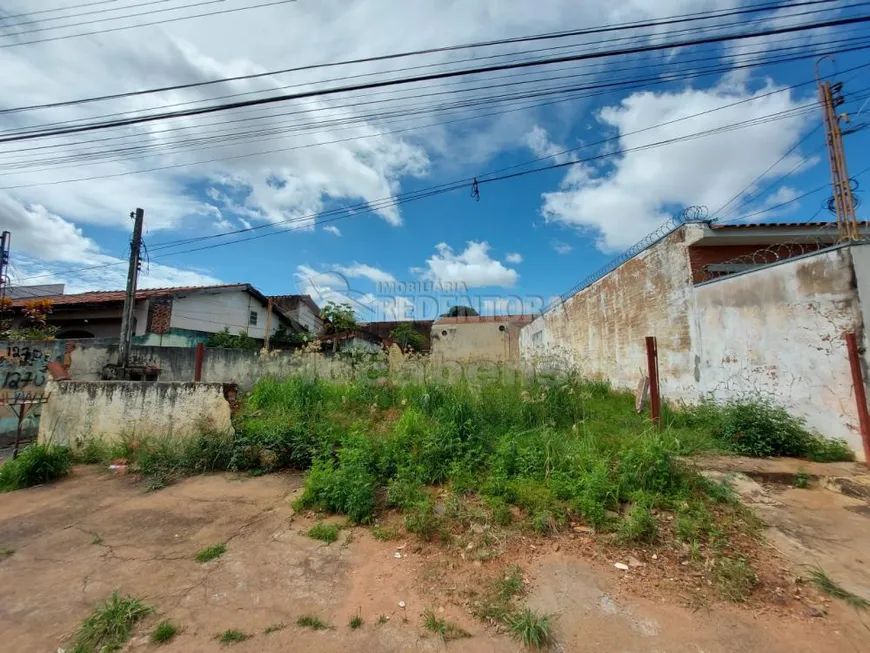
x=699 y=256
x=601 y=329
x=160 y=315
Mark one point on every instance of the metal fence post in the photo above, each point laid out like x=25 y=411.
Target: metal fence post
x=652 y=361
x=860 y=394
x=197 y=371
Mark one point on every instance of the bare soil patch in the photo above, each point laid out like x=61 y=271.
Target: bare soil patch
x=74 y=542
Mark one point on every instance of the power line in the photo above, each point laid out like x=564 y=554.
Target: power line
x=68 y=7
x=84 y=13
x=680 y=18
x=155 y=22
x=222 y=138
x=430 y=77
x=370 y=207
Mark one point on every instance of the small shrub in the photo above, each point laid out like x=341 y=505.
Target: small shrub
x=96 y=540
x=801 y=480
x=310 y=621
x=35 y=465
x=325 y=532
x=497 y=602
x=232 y=636
x=530 y=628
x=446 y=630
x=355 y=622
x=829 y=450
x=110 y=625
x=382 y=619
x=639 y=525
x=92 y=451
x=824 y=583
x=734 y=578
x=163 y=632
x=211 y=552
x=423 y=521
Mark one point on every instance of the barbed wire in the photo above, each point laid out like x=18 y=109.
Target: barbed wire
x=687 y=215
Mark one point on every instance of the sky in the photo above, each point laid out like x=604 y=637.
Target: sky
x=334 y=195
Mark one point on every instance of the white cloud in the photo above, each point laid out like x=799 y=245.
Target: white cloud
x=473 y=267
x=513 y=257
x=364 y=271
x=332 y=229
x=622 y=203
x=538 y=141
x=560 y=247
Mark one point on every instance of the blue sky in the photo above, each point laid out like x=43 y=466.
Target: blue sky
x=530 y=237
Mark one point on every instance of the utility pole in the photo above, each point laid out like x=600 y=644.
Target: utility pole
x=130 y=298
x=5 y=240
x=831 y=97
x=268 y=324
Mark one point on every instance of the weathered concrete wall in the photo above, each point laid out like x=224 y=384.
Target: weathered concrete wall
x=601 y=330
x=493 y=341
x=112 y=410
x=777 y=333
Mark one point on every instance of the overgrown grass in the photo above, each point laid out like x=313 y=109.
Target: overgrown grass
x=734 y=578
x=274 y=628
x=446 y=630
x=311 y=621
x=211 y=552
x=325 y=532
x=825 y=584
x=531 y=629
x=36 y=464
x=496 y=604
x=232 y=636
x=164 y=632
x=355 y=622
x=110 y=625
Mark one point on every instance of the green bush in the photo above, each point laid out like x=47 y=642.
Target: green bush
x=36 y=464
x=761 y=429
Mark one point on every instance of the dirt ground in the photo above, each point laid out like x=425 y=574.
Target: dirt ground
x=69 y=545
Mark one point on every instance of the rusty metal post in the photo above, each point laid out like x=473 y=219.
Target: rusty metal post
x=652 y=361
x=860 y=394
x=197 y=370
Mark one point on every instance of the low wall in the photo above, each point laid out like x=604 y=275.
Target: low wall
x=111 y=410
x=777 y=333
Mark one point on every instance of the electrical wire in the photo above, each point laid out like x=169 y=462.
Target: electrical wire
x=66 y=8
x=84 y=13
x=273 y=3
x=429 y=77
x=346 y=212
x=451 y=48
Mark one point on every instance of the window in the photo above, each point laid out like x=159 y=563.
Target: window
x=252 y=320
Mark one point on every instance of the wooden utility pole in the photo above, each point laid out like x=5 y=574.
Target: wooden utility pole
x=831 y=97
x=130 y=297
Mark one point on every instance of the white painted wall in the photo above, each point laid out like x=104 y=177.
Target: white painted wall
x=307 y=318
x=211 y=312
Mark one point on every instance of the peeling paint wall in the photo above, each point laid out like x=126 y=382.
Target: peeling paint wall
x=497 y=342
x=601 y=329
x=112 y=410
x=777 y=333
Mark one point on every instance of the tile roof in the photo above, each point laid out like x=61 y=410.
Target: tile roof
x=477 y=319
x=112 y=296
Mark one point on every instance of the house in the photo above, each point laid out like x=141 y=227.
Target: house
x=302 y=309
x=358 y=340
x=738 y=312
x=386 y=328
x=168 y=317
x=493 y=338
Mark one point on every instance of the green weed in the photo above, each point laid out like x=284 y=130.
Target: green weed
x=446 y=630
x=232 y=636
x=734 y=578
x=325 y=532
x=801 y=480
x=639 y=525
x=310 y=621
x=824 y=583
x=355 y=622
x=36 y=464
x=382 y=619
x=274 y=628
x=163 y=632
x=110 y=625
x=385 y=533
x=211 y=552
x=96 y=540
x=531 y=629
x=497 y=601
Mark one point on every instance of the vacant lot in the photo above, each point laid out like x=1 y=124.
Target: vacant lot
x=70 y=544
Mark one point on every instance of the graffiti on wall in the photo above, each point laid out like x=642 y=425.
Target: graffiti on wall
x=23 y=375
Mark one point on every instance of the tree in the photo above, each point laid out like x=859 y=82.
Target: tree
x=407 y=337
x=34 y=325
x=460 y=311
x=226 y=340
x=287 y=339
x=339 y=319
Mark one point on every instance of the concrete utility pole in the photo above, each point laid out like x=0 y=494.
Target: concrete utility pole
x=831 y=97
x=130 y=298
